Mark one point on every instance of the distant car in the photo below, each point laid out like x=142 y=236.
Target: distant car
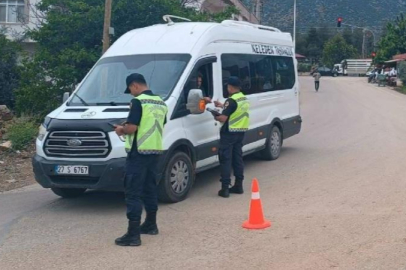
x=325 y=71
x=371 y=72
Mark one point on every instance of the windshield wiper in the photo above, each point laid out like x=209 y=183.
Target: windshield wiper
x=112 y=103
x=81 y=99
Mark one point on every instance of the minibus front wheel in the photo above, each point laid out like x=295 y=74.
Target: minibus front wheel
x=178 y=178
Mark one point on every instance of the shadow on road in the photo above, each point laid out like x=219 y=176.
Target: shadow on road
x=212 y=176
x=91 y=202
x=101 y=201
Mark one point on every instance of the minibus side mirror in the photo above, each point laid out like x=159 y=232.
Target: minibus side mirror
x=195 y=102
x=65 y=97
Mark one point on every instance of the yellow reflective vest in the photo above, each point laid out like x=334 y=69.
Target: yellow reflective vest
x=150 y=129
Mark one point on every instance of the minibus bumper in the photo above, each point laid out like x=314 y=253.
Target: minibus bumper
x=107 y=175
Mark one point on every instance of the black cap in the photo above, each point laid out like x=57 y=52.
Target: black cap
x=234 y=81
x=135 y=77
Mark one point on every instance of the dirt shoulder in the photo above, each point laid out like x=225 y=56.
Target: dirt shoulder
x=16 y=169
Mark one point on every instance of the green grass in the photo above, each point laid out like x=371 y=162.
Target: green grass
x=401 y=89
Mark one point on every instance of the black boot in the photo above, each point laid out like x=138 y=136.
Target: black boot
x=149 y=226
x=225 y=191
x=237 y=188
x=132 y=237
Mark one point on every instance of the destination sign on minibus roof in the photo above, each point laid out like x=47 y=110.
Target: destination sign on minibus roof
x=272 y=50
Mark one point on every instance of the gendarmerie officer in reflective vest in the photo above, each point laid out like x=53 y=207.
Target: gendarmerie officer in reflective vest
x=235 y=117
x=143 y=133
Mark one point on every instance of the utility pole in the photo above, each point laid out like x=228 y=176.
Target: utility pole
x=107 y=23
x=364 y=30
x=258 y=10
x=363 y=43
x=294 y=25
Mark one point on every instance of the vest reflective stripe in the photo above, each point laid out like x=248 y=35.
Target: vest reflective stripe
x=129 y=139
x=150 y=130
x=240 y=120
x=149 y=133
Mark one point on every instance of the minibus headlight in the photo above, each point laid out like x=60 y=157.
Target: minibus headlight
x=42 y=132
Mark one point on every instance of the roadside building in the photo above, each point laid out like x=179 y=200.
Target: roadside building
x=214 y=6
x=300 y=58
x=16 y=16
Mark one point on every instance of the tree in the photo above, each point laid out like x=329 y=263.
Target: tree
x=336 y=50
x=9 y=75
x=313 y=44
x=324 y=36
x=69 y=43
x=355 y=37
x=301 y=44
x=394 y=40
x=348 y=36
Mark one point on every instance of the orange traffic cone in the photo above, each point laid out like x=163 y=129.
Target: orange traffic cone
x=256 y=217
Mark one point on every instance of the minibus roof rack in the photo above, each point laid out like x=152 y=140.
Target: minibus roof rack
x=257 y=26
x=168 y=19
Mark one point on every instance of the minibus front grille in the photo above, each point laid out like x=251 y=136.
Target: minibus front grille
x=79 y=144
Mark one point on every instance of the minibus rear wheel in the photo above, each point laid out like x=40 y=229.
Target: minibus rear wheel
x=68 y=192
x=273 y=147
x=178 y=179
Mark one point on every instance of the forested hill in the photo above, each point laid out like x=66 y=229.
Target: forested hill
x=371 y=13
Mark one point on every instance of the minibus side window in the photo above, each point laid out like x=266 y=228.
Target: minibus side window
x=236 y=65
x=205 y=80
x=258 y=73
x=284 y=73
x=201 y=78
x=263 y=79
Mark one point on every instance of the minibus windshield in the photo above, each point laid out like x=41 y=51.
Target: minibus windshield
x=105 y=85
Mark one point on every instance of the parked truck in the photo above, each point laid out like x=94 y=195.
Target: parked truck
x=357 y=67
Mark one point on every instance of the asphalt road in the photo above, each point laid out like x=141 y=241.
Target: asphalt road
x=336 y=199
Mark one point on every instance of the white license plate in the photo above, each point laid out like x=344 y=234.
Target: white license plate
x=75 y=170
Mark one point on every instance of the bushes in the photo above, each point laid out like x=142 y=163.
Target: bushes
x=304 y=67
x=37 y=94
x=22 y=132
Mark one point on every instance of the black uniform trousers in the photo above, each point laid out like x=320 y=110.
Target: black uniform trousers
x=230 y=156
x=141 y=185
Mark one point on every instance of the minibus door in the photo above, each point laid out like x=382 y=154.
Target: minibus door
x=202 y=130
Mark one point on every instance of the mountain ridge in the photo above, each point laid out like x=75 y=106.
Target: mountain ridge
x=324 y=13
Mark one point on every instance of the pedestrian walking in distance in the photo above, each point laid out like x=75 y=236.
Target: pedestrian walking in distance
x=143 y=143
x=317 y=76
x=235 y=119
